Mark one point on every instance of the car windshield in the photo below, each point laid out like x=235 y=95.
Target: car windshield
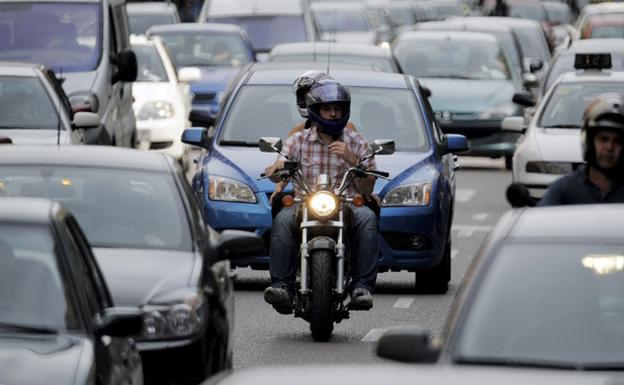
x=376 y=63
x=607 y=32
x=452 y=58
x=141 y=22
x=548 y=304
x=206 y=49
x=115 y=208
x=528 y=11
x=568 y=101
x=378 y=113
x=265 y=32
x=150 y=65
x=33 y=296
x=565 y=63
x=341 y=20
x=25 y=103
x=63 y=36
x=401 y=15
x=532 y=43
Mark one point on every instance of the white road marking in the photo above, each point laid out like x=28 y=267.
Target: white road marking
x=480 y=216
x=404 y=303
x=453 y=253
x=373 y=335
x=465 y=231
x=464 y=195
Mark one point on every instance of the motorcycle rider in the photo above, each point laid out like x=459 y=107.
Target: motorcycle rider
x=601 y=179
x=326 y=148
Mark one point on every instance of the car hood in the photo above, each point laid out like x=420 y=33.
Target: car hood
x=467 y=96
x=135 y=276
x=560 y=145
x=364 y=37
x=146 y=91
x=38 y=359
x=213 y=79
x=246 y=164
x=35 y=136
x=78 y=81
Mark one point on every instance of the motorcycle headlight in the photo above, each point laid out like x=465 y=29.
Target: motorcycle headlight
x=323 y=205
x=156 y=110
x=498 y=111
x=230 y=190
x=418 y=194
x=177 y=319
x=549 y=167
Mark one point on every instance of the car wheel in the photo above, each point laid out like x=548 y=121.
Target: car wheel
x=435 y=280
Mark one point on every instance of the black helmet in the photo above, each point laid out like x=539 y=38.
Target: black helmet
x=605 y=112
x=328 y=91
x=302 y=85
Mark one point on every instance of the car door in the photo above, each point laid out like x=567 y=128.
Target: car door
x=117 y=361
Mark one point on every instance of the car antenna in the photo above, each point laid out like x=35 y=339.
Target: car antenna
x=332 y=36
x=58 y=117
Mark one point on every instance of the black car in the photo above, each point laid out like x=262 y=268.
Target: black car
x=57 y=320
x=545 y=290
x=153 y=246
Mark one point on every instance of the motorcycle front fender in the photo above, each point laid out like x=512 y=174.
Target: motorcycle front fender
x=322 y=243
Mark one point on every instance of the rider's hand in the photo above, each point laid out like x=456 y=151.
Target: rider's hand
x=279 y=187
x=342 y=150
x=272 y=169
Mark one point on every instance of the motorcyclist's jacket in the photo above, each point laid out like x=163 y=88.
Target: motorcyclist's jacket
x=576 y=188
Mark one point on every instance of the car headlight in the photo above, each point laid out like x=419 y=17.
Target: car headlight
x=549 y=167
x=179 y=318
x=230 y=190
x=155 y=110
x=498 y=111
x=323 y=205
x=418 y=194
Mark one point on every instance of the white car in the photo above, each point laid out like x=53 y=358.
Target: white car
x=35 y=110
x=162 y=99
x=551 y=145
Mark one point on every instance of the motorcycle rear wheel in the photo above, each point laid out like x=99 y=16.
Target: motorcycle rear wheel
x=321 y=297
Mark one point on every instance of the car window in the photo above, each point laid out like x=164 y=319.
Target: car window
x=378 y=113
x=527 y=11
x=424 y=58
x=62 y=36
x=607 y=31
x=533 y=43
x=150 y=65
x=206 y=49
x=25 y=103
x=115 y=208
x=342 y=20
x=568 y=101
x=376 y=63
x=141 y=22
x=554 y=303
x=265 y=32
x=32 y=290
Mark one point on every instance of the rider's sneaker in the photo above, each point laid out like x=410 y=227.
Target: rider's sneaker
x=280 y=298
x=361 y=299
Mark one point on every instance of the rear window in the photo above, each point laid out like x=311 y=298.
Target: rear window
x=25 y=103
x=267 y=31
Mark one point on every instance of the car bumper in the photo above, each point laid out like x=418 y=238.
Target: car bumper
x=486 y=137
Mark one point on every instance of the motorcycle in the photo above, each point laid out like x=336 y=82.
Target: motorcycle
x=323 y=269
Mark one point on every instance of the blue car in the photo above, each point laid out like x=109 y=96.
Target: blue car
x=417 y=204
x=218 y=50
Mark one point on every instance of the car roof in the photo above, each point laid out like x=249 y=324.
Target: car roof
x=465 y=22
x=510 y=21
x=593 y=46
x=450 y=34
x=150 y=7
x=570 y=222
x=195 y=27
x=337 y=5
x=19 y=68
x=312 y=65
x=31 y=210
x=322 y=47
x=591 y=76
x=253 y=7
x=286 y=74
x=83 y=156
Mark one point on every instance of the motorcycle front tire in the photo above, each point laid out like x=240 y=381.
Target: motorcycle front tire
x=321 y=316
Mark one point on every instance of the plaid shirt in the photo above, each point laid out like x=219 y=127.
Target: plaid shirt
x=314 y=157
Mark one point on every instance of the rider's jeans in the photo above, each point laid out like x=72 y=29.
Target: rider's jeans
x=364 y=253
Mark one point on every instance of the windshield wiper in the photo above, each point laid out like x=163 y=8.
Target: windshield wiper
x=521 y=362
x=27 y=328
x=241 y=143
x=562 y=126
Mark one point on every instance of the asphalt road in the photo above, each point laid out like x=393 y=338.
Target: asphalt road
x=264 y=337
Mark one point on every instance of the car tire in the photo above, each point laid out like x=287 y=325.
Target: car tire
x=435 y=280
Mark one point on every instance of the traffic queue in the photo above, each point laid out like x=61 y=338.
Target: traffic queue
x=151 y=151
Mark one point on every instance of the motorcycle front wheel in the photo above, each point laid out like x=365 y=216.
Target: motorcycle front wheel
x=322 y=280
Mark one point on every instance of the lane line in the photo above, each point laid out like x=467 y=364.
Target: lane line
x=464 y=195
x=373 y=335
x=404 y=303
x=480 y=216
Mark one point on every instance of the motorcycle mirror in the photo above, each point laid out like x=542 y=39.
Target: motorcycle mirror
x=270 y=144
x=383 y=146
x=518 y=195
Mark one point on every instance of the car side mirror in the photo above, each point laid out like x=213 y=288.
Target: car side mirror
x=524 y=99
x=270 y=144
x=86 y=120
x=120 y=322
x=236 y=244
x=383 y=147
x=425 y=91
x=196 y=136
x=407 y=345
x=201 y=119
x=189 y=74
x=454 y=143
x=514 y=124
x=127 y=68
